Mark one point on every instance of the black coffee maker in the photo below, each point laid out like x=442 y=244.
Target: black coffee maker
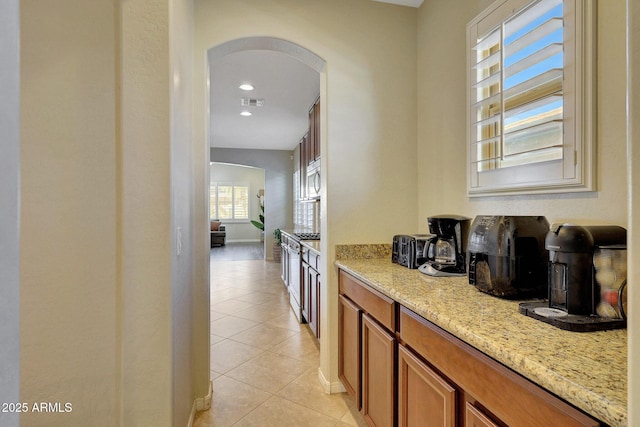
x=446 y=252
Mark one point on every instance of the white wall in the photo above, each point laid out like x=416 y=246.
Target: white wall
x=442 y=118
x=189 y=310
x=368 y=113
x=10 y=208
x=241 y=175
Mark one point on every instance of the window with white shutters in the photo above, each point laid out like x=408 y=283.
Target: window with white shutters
x=229 y=201
x=530 y=90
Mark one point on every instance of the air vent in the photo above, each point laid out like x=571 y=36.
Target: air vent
x=249 y=102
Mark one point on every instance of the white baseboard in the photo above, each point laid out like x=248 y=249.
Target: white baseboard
x=243 y=240
x=328 y=386
x=192 y=416
x=201 y=404
x=204 y=403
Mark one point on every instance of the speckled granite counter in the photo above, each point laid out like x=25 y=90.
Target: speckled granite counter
x=314 y=245
x=588 y=369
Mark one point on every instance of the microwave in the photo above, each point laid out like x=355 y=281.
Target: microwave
x=313 y=182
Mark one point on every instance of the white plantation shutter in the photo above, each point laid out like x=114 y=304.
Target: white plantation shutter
x=225 y=201
x=229 y=201
x=525 y=97
x=240 y=202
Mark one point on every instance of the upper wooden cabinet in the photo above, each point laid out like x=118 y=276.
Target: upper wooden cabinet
x=310 y=143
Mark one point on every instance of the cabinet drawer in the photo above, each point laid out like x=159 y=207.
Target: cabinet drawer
x=510 y=397
x=379 y=306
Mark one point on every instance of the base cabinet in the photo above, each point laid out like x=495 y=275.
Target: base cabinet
x=378 y=379
x=473 y=417
x=425 y=399
x=404 y=370
x=367 y=349
x=505 y=398
x=349 y=343
x=310 y=261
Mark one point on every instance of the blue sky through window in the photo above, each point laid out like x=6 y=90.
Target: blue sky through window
x=555 y=61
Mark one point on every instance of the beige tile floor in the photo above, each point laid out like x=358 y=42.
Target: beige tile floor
x=264 y=365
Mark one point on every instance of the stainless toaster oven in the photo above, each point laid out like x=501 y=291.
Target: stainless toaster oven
x=410 y=249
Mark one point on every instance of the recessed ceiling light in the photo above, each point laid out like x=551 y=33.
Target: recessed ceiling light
x=246 y=86
x=245 y=113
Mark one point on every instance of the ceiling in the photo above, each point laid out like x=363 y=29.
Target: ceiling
x=287 y=86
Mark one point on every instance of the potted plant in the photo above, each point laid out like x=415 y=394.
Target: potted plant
x=277 y=253
x=260 y=223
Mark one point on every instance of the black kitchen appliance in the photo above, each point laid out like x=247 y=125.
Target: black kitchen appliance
x=587 y=278
x=445 y=253
x=409 y=250
x=507 y=257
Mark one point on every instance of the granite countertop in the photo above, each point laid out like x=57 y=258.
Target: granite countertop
x=587 y=369
x=313 y=245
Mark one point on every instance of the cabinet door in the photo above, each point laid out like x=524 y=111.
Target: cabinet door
x=425 y=399
x=304 y=293
x=474 y=418
x=316 y=131
x=378 y=381
x=349 y=350
x=314 y=301
x=284 y=264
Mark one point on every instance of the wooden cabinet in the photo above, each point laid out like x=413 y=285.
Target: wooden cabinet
x=378 y=379
x=310 y=153
x=349 y=344
x=493 y=394
x=313 y=298
x=314 y=132
x=311 y=289
x=312 y=149
x=425 y=399
x=473 y=417
x=366 y=349
x=404 y=370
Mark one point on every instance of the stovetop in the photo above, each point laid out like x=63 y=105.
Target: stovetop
x=307 y=236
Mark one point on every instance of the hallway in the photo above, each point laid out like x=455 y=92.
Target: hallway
x=264 y=365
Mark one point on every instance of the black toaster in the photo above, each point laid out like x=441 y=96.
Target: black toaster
x=410 y=249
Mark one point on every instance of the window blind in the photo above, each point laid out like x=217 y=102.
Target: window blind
x=517 y=89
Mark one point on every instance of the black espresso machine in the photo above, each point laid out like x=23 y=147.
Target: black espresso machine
x=587 y=278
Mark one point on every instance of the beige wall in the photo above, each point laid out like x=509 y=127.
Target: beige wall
x=369 y=113
x=442 y=118
x=68 y=326
x=108 y=306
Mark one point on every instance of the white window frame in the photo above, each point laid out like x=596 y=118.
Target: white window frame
x=233 y=185
x=575 y=172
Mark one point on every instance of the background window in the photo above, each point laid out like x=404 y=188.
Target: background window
x=229 y=201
